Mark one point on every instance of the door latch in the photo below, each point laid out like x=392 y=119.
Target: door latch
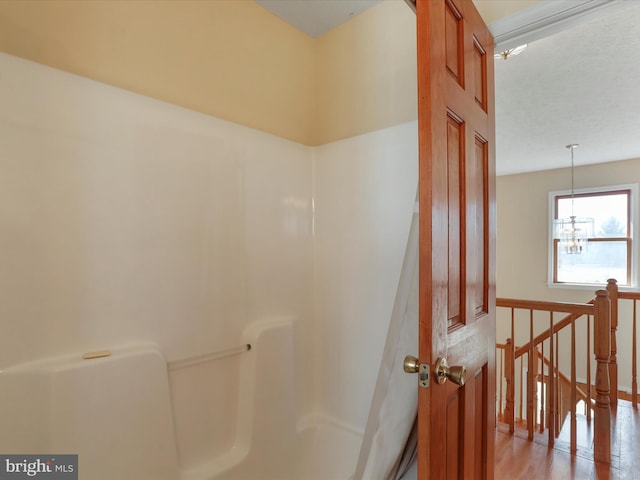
x=411 y=365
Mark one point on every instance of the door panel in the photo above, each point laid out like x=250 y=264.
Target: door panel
x=480 y=73
x=477 y=227
x=454 y=45
x=454 y=459
x=455 y=152
x=457 y=238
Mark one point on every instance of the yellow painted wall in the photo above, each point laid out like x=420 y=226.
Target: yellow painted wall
x=228 y=58
x=523 y=218
x=235 y=60
x=367 y=73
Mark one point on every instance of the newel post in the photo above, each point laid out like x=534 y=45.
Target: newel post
x=612 y=289
x=602 y=350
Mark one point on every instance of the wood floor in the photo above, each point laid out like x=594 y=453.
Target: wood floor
x=517 y=458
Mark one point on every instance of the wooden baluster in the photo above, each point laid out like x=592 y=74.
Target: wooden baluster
x=512 y=363
x=602 y=350
x=550 y=387
x=531 y=384
x=521 y=390
x=612 y=290
x=634 y=373
x=501 y=380
x=559 y=420
x=510 y=378
x=589 y=368
x=574 y=430
x=536 y=380
x=542 y=389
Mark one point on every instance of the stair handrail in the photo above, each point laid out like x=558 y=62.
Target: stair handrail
x=582 y=395
x=566 y=321
x=574 y=310
x=634 y=296
x=578 y=393
x=600 y=309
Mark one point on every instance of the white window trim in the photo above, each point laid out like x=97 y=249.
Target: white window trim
x=635 y=237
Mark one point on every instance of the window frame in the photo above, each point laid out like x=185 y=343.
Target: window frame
x=631 y=238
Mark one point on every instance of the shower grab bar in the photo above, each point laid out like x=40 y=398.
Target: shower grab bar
x=207 y=357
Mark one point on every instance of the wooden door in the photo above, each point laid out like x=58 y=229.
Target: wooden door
x=457 y=238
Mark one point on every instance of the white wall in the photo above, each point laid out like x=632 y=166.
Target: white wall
x=127 y=219
x=365 y=189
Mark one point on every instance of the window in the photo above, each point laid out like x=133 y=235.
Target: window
x=609 y=251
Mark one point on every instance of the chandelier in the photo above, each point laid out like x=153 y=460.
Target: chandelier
x=573 y=232
x=511 y=52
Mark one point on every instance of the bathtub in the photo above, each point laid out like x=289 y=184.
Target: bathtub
x=116 y=413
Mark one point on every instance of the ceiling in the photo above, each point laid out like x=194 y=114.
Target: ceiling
x=581 y=85
x=315 y=17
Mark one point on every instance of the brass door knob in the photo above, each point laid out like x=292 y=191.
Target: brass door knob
x=457 y=374
x=411 y=364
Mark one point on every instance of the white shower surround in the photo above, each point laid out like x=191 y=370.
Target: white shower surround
x=126 y=220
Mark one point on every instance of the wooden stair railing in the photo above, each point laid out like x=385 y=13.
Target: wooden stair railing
x=599 y=309
x=623 y=304
x=562 y=387
x=575 y=311
x=566 y=321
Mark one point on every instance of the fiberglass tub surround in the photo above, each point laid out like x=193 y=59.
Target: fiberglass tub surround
x=121 y=404
x=161 y=234
x=118 y=404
